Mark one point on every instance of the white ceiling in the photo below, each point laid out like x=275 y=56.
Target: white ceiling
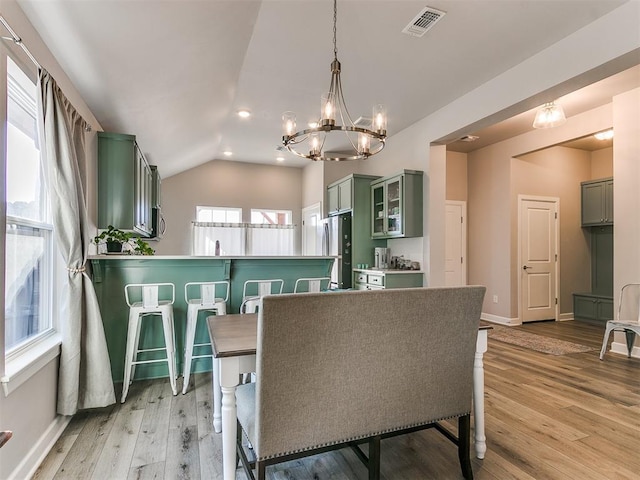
x=175 y=72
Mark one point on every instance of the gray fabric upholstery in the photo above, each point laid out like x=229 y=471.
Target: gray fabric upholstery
x=333 y=367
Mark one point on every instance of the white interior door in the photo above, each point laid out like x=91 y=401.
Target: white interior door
x=538 y=258
x=311 y=233
x=456 y=243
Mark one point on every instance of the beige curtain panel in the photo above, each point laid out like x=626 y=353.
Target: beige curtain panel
x=85 y=373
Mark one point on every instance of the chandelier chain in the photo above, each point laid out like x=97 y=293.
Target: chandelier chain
x=335 y=21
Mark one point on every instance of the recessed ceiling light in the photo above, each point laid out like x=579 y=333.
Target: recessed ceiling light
x=606 y=135
x=469 y=138
x=228 y=153
x=280 y=159
x=244 y=113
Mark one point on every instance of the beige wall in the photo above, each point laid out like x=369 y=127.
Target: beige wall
x=496 y=177
x=225 y=184
x=626 y=194
x=602 y=163
x=557 y=172
x=457 y=176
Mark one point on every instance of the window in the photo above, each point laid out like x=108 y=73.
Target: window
x=29 y=232
x=219 y=231
x=218 y=214
x=271 y=217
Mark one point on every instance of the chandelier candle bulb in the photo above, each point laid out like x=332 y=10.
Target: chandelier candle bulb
x=289 y=123
x=314 y=145
x=328 y=110
x=380 y=119
x=364 y=141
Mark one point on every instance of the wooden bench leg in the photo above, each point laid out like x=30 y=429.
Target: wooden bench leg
x=464 y=438
x=374 y=458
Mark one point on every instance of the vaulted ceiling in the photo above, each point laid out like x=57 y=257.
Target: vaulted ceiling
x=175 y=72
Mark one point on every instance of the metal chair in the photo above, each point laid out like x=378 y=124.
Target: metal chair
x=628 y=317
x=254 y=290
x=201 y=297
x=148 y=304
x=311 y=284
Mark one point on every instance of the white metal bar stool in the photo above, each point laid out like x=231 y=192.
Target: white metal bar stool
x=253 y=290
x=148 y=304
x=314 y=285
x=201 y=297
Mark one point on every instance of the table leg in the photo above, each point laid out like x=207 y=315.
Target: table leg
x=478 y=395
x=217 y=397
x=229 y=432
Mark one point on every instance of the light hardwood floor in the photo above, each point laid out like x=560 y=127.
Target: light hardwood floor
x=547 y=417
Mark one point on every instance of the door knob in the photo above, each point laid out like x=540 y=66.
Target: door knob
x=525 y=267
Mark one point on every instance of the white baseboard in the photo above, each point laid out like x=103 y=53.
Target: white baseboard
x=30 y=463
x=501 y=320
x=621 y=348
x=566 y=316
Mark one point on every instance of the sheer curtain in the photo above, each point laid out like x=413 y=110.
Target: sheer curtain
x=270 y=239
x=84 y=378
x=231 y=238
x=239 y=239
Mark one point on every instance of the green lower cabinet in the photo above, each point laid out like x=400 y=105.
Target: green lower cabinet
x=593 y=308
x=376 y=280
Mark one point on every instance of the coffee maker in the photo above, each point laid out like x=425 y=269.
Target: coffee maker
x=382 y=257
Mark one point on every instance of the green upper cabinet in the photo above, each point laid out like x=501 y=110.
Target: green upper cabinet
x=125 y=184
x=156 y=187
x=396 y=205
x=340 y=196
x=597 y=202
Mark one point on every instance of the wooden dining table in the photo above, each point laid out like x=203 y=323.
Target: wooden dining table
x=234 y=339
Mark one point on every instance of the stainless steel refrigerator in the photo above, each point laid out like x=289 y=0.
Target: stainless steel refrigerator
x=336 y=241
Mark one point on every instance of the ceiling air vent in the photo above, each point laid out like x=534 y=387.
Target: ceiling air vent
x=363 y=122
x=426 y=19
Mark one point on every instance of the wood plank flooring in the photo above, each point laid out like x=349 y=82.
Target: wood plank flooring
x=547 y=417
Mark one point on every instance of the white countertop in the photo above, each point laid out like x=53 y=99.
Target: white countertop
x=386 y=271
x=194 y=257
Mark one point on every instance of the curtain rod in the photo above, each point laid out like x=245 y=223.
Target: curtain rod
x=18 y=41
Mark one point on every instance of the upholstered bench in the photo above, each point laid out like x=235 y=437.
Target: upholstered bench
x=357 y=367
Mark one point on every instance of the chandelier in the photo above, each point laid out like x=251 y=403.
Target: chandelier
x=359 y=141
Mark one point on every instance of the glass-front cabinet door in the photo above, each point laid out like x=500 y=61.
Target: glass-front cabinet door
x=396 y=205
x=393 y=202
x=387 y=208
x=377 y=214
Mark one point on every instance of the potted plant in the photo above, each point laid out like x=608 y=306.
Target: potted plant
x=118 y=241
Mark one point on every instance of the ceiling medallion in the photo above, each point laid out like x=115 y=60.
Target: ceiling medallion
x=357 y=142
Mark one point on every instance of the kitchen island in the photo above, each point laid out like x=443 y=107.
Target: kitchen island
x=110 y=273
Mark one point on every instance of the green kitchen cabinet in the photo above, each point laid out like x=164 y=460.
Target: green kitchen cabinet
x=364 y=279
x=351 y=193
x=340 y=196
x=396 y=205
x=125 y=184
x=156 y=187
x=597 y=202
x=593 y=308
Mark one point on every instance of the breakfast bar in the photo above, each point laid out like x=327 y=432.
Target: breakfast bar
x=110 y=274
